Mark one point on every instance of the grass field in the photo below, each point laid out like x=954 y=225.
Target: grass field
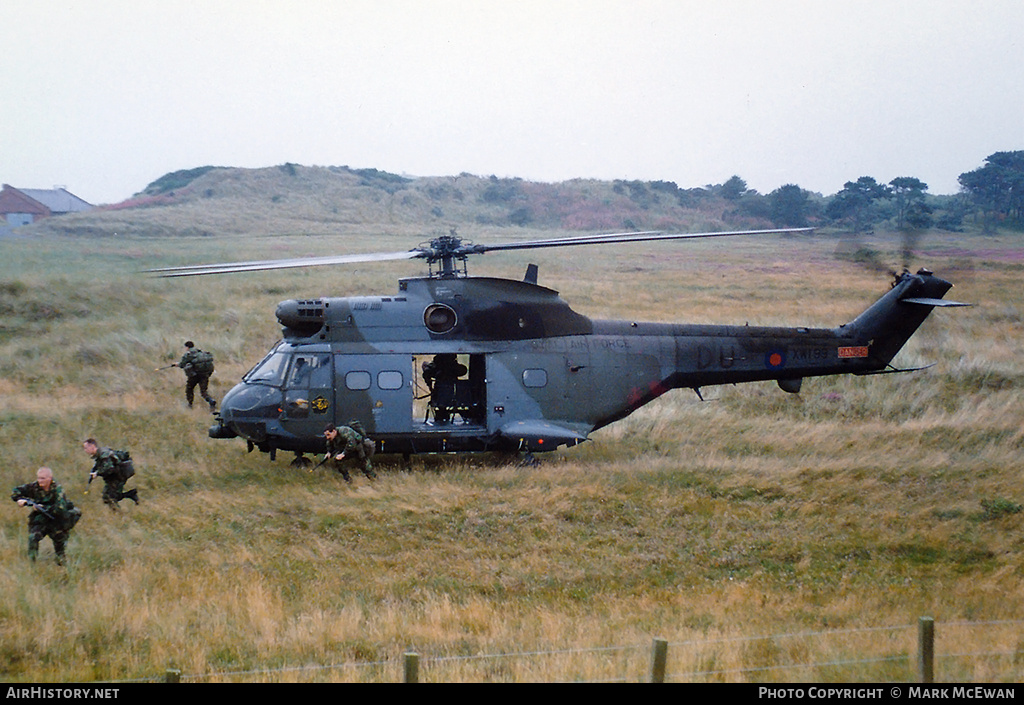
x=861 y=502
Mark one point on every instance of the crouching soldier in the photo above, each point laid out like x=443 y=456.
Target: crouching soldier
x=116 y=468
x=52 y=514
x=349 y=442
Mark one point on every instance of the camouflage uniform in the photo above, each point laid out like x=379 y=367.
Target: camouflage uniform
x=349 y=442
x=195 y=376
x=54 y=503
x=106 y=466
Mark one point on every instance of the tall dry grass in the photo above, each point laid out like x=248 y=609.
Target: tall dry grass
x=860 y=503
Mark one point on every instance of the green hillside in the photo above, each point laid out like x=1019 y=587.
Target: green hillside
x=294 y=199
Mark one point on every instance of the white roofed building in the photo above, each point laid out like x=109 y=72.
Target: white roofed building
x=27 y=205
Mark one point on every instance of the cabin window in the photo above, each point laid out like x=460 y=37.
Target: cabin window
x=358 y=380
x=390 y=379
x=535 y=378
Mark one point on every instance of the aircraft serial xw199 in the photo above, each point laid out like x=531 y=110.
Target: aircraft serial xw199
x=507 y=365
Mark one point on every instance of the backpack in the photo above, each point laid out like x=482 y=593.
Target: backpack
x=125 y=467
x=71 y=517
x=203 y=363
x=369 y=446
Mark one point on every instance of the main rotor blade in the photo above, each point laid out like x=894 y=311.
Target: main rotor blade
x=443 y=248
x=259 y=265
x=612 y=238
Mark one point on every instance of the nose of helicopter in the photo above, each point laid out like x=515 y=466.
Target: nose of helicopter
x=244 y=411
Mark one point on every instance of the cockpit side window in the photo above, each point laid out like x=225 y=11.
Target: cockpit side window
x=310 y=371
x=270 y=371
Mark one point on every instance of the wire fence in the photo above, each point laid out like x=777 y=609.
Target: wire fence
x=926 y=652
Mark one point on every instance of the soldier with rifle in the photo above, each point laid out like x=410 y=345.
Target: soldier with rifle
x=345 y=442
x=52 y=513
x=198 y=366
x=116 y=468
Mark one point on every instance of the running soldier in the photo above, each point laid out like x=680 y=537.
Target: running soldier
x=116 y=468
x=52 y=514
x=198 y=366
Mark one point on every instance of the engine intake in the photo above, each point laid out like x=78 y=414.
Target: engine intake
x=305 y=317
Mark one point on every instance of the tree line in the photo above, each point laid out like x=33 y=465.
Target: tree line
x=992 y=193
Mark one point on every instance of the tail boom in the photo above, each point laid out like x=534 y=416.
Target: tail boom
x=709 y=355
x=864 y=346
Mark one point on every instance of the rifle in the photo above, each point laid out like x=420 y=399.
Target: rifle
x=166 y=367
x=317 y=466
x=38 y=507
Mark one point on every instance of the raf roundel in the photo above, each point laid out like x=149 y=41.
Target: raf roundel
x=775 y=359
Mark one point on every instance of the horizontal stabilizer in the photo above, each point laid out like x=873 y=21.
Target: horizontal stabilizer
x=933 y=302
x=892 y=370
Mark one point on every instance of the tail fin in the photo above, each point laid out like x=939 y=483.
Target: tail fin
x=891 y=320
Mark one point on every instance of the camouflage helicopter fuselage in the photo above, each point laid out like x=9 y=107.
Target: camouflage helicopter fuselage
x=535 y=375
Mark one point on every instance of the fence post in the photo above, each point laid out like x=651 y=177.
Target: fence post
x=926 y=650
x=412 y=667
x=659 y=656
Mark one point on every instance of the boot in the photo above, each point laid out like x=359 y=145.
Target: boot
x=133 y=495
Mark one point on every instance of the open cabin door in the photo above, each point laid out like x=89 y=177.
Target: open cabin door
x=451 y=392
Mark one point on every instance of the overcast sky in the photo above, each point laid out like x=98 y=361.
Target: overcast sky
x=104 y=97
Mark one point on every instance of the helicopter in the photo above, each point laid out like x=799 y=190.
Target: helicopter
x=456 y=363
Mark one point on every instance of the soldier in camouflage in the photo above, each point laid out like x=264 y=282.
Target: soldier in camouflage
x=52 y=514
x=346 y=442
x=114 y=473
x=198 y=366
x=441 y=375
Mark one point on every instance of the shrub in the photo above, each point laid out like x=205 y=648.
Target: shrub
x=996 y=508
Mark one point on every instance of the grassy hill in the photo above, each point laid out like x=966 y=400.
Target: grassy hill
x=293 y=199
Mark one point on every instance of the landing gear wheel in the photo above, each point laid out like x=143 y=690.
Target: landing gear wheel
x=529 y=460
